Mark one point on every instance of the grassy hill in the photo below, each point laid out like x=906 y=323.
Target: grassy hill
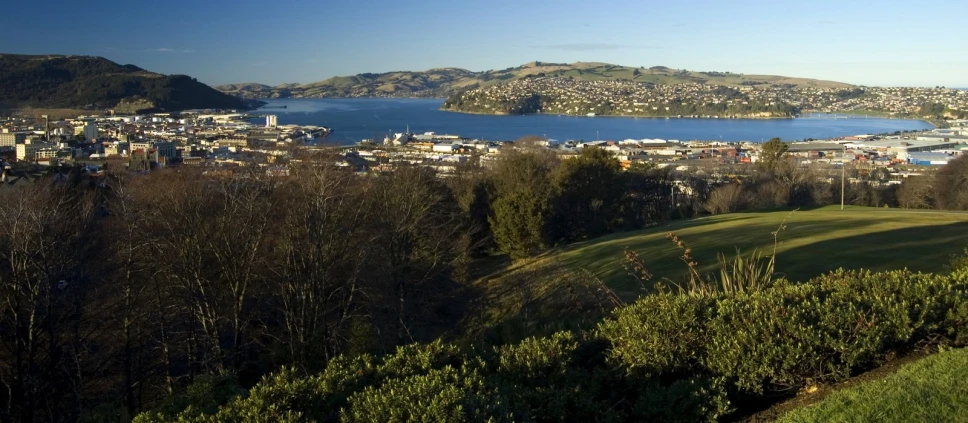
x=932 y=389
x=89 y=82
x=443 y=82
x=813 y=243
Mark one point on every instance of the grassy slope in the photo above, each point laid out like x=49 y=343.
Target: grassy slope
x=932 y=389
x=814 y=242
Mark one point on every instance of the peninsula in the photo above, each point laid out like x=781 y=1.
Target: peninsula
x=90 y=83
x=602 y=89
x=444 y=82
x=574 y=97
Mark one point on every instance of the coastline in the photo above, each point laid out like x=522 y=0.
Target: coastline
x=357 y=120
x=620 y=116
x=937 y=124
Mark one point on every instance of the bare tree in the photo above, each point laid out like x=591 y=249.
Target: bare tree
x=951 y=190
x=417 y=228
x=917 y=192
x=212 y=235
x=725 y=199
x=324 y=255
x=44 y=232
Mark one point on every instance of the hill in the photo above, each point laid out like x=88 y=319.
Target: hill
x=90 y=82
x=813 y=243
x=932 y=389
x=444 y=82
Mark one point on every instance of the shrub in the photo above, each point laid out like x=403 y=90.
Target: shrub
x=767 y=338
x=958 y=262
x=417 y=359
x=658 y=334
x=537 y=358
x=666 y=357
x=203 y=396
x=826 y=330
x=693 y=399
x=442 y=395
x=555 y=378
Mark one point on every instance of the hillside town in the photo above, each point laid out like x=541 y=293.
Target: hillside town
x=565 y=96
x=226 y=141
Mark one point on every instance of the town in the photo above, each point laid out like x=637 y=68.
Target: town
x=224 y=141
x=552 y=95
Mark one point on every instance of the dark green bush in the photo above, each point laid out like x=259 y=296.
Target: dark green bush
x=552 y=379
x=658 y=334
x=419 y=359
x=665 y=358
x=441 y=395
x=205 y=395
x=766 y=337
x=693 y=399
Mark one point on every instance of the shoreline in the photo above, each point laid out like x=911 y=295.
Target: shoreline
x=882 y=115
x=620 y=116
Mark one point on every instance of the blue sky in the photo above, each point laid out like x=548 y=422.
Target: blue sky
x=888 y=42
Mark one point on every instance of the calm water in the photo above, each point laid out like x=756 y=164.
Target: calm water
x=357 y=119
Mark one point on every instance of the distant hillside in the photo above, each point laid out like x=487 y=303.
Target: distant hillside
x=444 y=82
x=90 y=82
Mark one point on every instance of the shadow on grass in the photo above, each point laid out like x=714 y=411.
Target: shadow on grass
x=662 y=258
x=925 y=248
x=550 y=292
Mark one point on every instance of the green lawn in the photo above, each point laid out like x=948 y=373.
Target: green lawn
x=550 y=287
x=934 y=389
x=814 y=242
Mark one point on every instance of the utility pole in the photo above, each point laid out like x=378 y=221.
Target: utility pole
x=843 y=175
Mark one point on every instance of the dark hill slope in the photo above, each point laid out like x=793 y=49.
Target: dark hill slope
x=89 y=82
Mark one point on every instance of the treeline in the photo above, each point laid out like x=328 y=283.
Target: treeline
x=472 y=101
x=782 y=182
x=945 y=189
x=120 y=293
x=537 y=201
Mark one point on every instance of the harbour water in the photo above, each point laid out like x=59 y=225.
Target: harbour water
x=357 y=119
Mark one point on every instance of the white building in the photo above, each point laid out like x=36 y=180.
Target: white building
x=90 y=131
x=29 y=151
x=445 y=148
x=10 y=139
x=165 y=149
x=272 y=121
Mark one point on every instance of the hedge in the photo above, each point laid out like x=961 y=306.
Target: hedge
x=667 y=357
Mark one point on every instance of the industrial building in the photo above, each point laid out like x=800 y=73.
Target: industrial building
x=901 y=148
x=10 y=139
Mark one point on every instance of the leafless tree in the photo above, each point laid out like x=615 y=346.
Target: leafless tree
x=917 y=192
x=725 y=199
x=324 y=256
x=44 y=240
x=417 y=228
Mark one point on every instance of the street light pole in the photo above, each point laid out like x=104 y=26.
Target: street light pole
x=843 y=175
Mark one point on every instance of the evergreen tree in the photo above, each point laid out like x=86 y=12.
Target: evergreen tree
x=521 y=209
x=589 y=191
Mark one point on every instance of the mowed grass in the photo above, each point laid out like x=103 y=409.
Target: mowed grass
x=934 y=389
x=561 y=286
x=813 y=242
